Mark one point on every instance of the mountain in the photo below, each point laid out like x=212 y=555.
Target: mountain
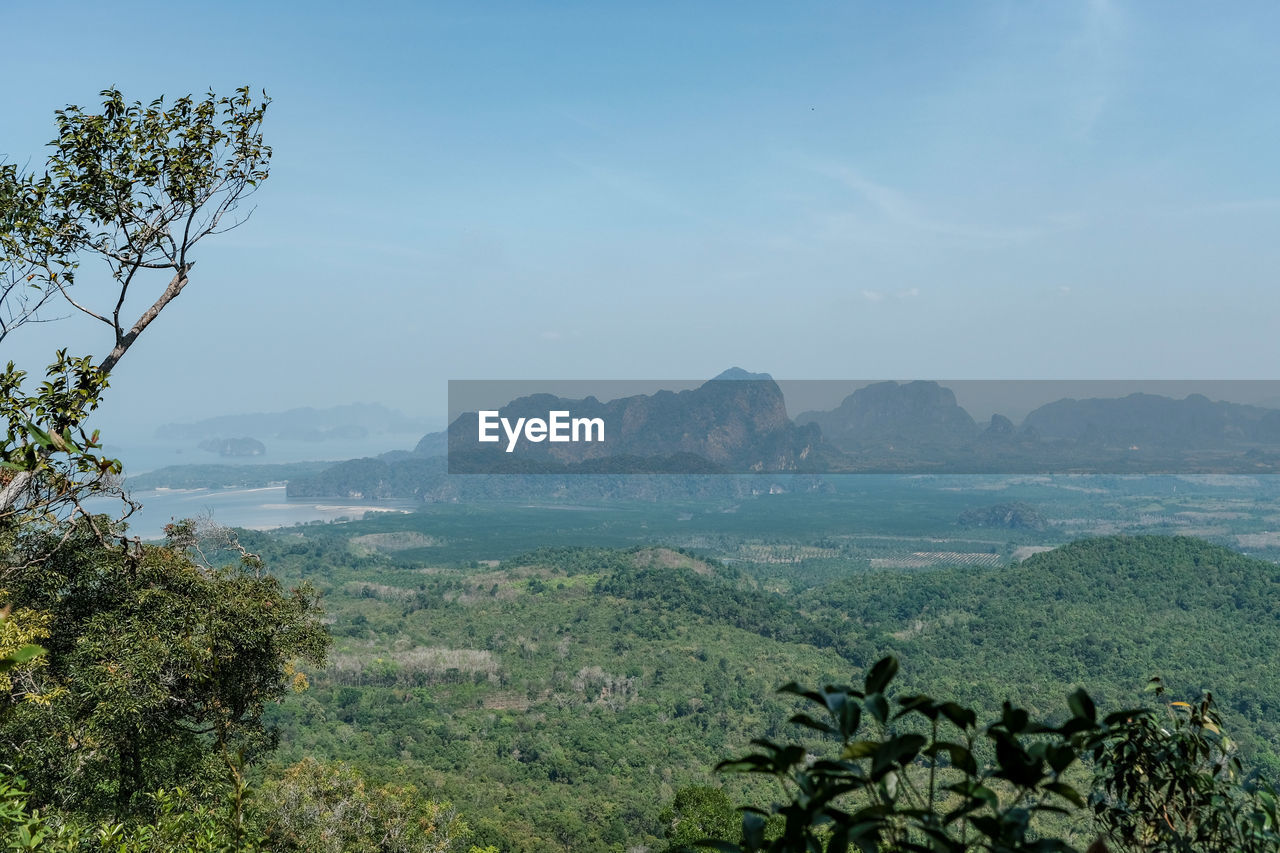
x=737 y=374
x=888 y=416
x=432 y=444
x=735 y=423
x=348 y=422
x=667 y=446
x=1147 y=420
x=919 y=427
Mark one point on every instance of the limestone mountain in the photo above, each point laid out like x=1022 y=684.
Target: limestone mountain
x=1153 y=421
x=735 y=423
x=891 y=416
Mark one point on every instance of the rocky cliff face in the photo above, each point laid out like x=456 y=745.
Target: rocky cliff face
x=734 y=423
x=889 y=414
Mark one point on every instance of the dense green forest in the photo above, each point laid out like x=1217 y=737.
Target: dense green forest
x=544 y=678
x=564 y=676
x=564 y=696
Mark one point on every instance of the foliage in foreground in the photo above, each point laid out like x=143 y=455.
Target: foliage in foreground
x=157 y=667
x=916 y=774
x=137 y=187
x=315 y=806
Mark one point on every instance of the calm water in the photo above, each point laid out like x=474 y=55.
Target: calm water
x=140 y=455
x=256 y=509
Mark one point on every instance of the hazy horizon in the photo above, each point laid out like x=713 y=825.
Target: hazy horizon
x=979 y=191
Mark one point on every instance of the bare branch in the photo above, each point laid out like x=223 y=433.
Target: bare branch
x=80 y=307
x=123 y=343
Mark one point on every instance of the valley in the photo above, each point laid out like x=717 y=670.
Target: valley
x=562 y=675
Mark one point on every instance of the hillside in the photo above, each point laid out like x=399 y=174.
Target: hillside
x=553 y=698
x=561 y=697
x=1106 y=613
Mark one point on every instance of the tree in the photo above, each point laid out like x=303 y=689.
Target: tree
x=139 y=188
x=159 y=663
x=331 y=808
x=928 y=777
x=696 y=813
x=1171 y=780
x=158 y=668
x=16 y=648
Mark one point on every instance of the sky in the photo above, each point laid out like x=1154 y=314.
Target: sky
x=984 y=190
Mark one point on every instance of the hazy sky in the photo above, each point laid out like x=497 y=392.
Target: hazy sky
x=816 y=190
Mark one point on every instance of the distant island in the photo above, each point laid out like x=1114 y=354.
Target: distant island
x=337 y=423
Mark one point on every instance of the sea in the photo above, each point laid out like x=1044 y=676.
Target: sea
x=262 y=508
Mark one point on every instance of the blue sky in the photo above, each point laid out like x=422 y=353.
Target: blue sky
x=817 y=190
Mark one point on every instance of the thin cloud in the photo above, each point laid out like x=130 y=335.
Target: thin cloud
x=900 y=210
x=1091 y=58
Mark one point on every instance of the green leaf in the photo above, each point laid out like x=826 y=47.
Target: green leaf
x=20 y=656
x=860 y=749
x=878 y=707
x=1082 y=706
x=1067 y=792
x=881 y=674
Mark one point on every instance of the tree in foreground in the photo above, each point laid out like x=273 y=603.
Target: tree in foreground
x=129 y=731
x=911 y=773
x=158 y=668
x=136 y=189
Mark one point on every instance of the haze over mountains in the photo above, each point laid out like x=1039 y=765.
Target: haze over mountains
x=303 y=424
x=920 y=424
x=738 y=423
x=914 y=413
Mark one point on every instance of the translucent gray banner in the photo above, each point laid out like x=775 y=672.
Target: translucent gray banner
x=744 y=423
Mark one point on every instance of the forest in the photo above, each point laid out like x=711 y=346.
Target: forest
x=919 y=663
x=574 y=698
